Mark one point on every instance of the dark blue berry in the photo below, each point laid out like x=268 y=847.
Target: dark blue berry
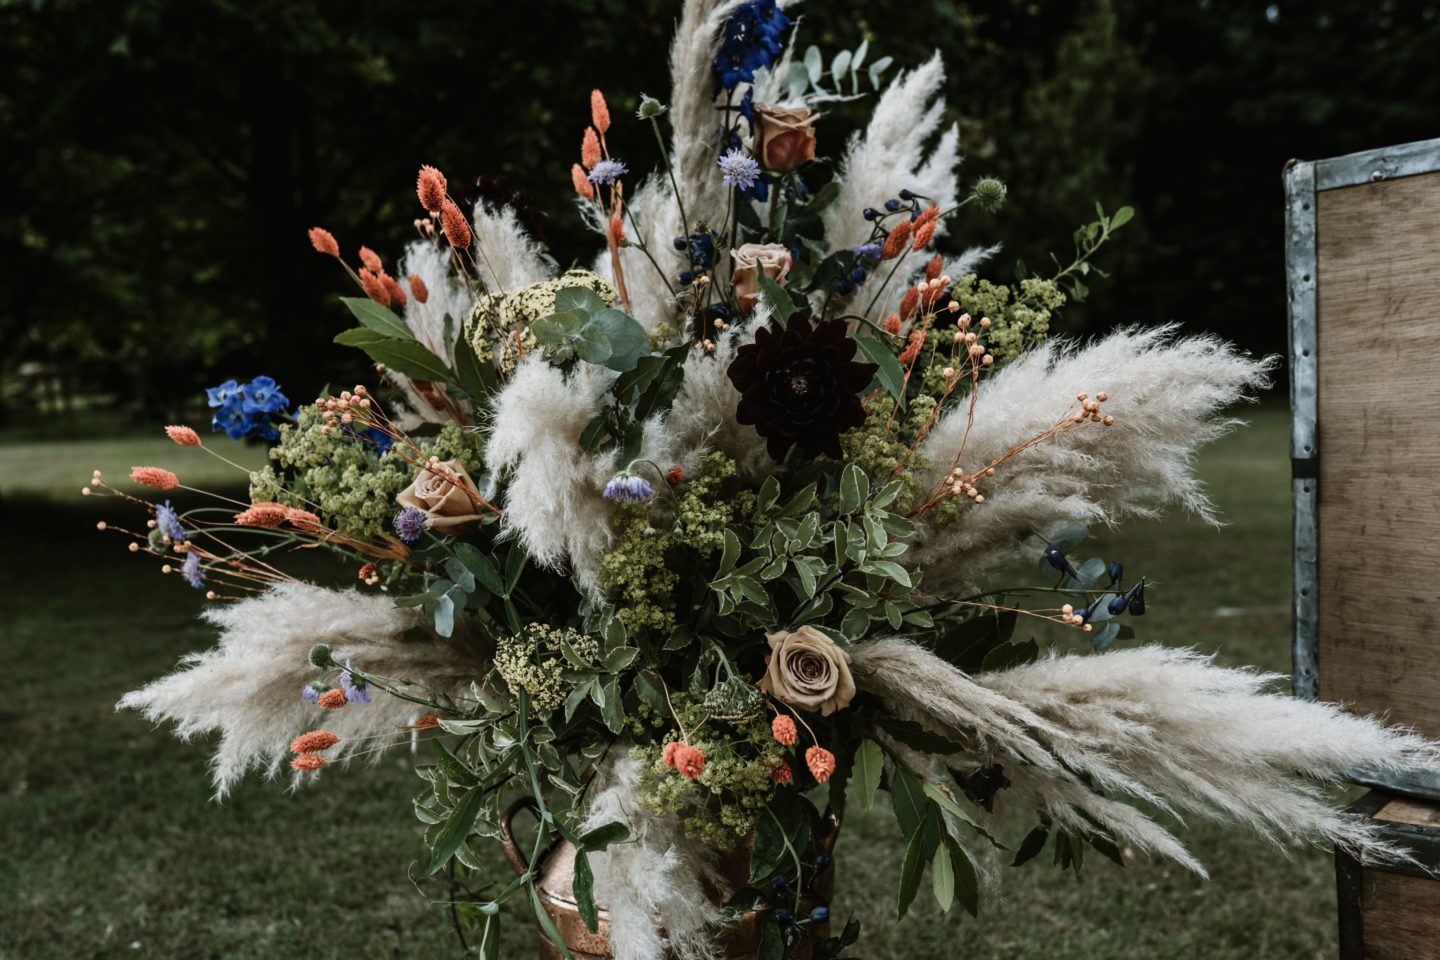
x=822 y=861
x=784 y=916
x=906 y=195
x=1118 y=603
x=1116 y=572
x=870 y=213
x=820 y=914
x=686 y=278
x=1137 y=599
x=680 y=243
x=1057 y=560
x=779 y=883
x=857 y=276
x=892 y=205
x=845 y=287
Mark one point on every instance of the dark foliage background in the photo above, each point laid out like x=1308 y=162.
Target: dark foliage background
x=160 y=160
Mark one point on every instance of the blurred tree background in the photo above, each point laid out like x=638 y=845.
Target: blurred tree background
x=160 y=160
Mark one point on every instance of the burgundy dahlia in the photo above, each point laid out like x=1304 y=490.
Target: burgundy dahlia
x=801 y=384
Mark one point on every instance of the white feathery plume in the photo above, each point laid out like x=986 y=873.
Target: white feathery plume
x=703 y=415
x=505 y=255
x=693 y=120
x=654 y=219
x=1163 y=726
x=248 y=687
x=658 y=872
x=890 y=155
x=1165 y=393
x=435 y=323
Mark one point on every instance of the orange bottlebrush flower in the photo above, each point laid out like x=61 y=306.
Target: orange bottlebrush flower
x=313 y=742
x=264 y=514
x=430 y=186
x=912 y=348
x=589 y=148
x=418 y=290
x=783 y=729
x=426 y=722
x=909 y=302
x=302 y=519
x=675 y=476
x=599 y=112
x=690 y=761
x=782 y=774
x=617 y=228
x=324 y=242
x=582 y=184
x=374 y=289
x=397 y=295
x=821 y=763
x=892 y=323
x=371 y=259
x=667 y=756
x=923 y=235
x=157 y=477
x=453 y=223
x=182 y=435
x=308 y=761
x=331 y=699
x=894 y=244
x=933 y=268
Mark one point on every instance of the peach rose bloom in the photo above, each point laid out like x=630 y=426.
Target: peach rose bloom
x=784 y=137
x=751 y=259
x=446 y=495
x=808 y=670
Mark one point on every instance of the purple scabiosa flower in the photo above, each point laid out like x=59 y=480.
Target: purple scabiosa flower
x=867 y=251
x=354 y=686
x=410 y=524
x=738 y=170
x=191 y=570
x=607 y=171
x=628 y=488
x=310 y=693
x=167 y=521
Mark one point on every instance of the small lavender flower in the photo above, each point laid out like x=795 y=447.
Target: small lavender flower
x=191 y=571
x=410 y=525
x=310 y=693
x=738 y=170
x=607 y=171
x=167 y=521
x=353 y=686
x=867 y=251
x=628 y=488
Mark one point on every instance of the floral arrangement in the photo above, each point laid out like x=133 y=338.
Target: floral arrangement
x=695 y=547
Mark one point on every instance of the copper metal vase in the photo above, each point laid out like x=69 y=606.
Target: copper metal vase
x=740 y=940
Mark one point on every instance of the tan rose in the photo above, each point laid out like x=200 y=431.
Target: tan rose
x=750 y=260
x=446 y=495
x=784 y=137
x=808 y=670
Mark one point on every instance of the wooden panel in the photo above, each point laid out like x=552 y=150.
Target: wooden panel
x=1401 y=916
x=1379 y=438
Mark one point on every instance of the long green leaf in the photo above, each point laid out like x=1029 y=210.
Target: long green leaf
x=377 y=318
x=411 y=359
x=869 y=762
x=455 y=769
x=457 y=827
x=942 y=879
x=891 y=374
x=910 y=870
x=584 y=889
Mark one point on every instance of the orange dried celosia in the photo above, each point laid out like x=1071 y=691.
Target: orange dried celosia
x=331 y=699
x=912 y=348
x=265 y=514
x=313 y=742
x=690 y=761
x=589 y=148
x=909 y=302
x=397 y=295
x=781 y=774
x=157 y=477
x=418 y=290
x=599 y=112
x=182 y=435
x=928 y=215
x=892 y=323
x=923 y=235
x=583 y=187
x=894 y=244
x=302 y=520
x=374 y=288
x=371 y=260
x=426 y=722
x=675 y=476
x=933 y=268
x=430 y=186
x=324 y=242
x=453 y=224
x=308 y=761
x=783 y=729
x=821 y=763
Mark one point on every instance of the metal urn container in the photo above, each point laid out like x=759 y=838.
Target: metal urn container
x=555 y=877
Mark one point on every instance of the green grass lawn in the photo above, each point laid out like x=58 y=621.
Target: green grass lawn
x=112 y=847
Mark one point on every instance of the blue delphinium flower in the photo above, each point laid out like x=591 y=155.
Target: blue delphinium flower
x=752 y=41
x=233 y=419
x=607 y=171
x=738 y=170
x=191 y=571
x=167 y=521
x=628 y=488
x=410 y=524
x=262 y=395
x=354 y=686
x=223 y=394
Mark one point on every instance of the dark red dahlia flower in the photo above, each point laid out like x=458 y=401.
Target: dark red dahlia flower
x=801 y=384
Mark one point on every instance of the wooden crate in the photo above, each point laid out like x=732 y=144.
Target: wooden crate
x=1363 y=254
x=1392 y=912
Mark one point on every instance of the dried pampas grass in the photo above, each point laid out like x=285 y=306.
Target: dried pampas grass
x=658 y=872
x=1162 y=726
x=505 y=255
x=248 y=687
x=1165 y=393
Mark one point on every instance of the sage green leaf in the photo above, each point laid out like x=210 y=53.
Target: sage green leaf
x=455 y=769
x=854 y=488
x=908 y=799
x=360 y=337
x=481 y=566
x=869 y=765
x=377 y=318
x=410 y=358
x=891 y=375
x=967 y=879
x=627 y=339
x=547 y=926
x=457 y=826
x=942 y=879
x=911 y=868
x=582 y=299
x=584 y=889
